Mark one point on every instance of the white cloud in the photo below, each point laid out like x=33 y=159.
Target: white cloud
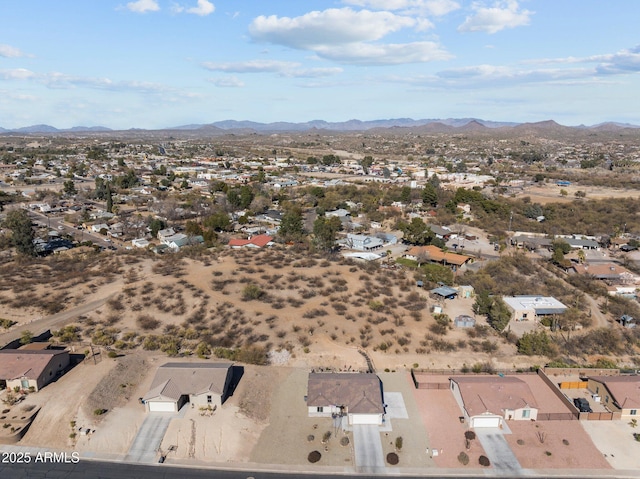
x=312 y=72
x=427 y=7
x=8 y=51
x=332 y=26
x=143 y=6
x=17 y=74
x=387 y=54
x=252 y=66
x=348 y=36
x=203 y=9
x=503 y=14
x=227 y=82
x=282 y=68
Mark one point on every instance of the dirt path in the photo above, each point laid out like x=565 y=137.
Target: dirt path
x=38 y=326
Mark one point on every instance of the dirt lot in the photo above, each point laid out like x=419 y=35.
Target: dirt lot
x=550 y=193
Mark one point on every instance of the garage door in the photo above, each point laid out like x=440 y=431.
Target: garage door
x=158 y=406
x=489 y=421
x=365 y=418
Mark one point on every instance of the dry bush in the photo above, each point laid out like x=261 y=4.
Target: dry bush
x=147 y=323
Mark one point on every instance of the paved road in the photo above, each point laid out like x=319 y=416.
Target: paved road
x=495 y=446
x=368 y=449
x=144 y=448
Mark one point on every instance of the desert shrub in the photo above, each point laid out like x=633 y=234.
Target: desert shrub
x=399 y=442
x=99 y=411
x=147 y=322
x=252 y=292
x=392 y=458
x=484 y=461
x=463 y=458
x=314 y=456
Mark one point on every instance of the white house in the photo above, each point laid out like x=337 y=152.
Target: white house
x=99 y=227
x=140 y=243
x=524 y=308
x=363 y=242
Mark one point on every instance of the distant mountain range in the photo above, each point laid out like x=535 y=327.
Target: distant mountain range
x=426 y=125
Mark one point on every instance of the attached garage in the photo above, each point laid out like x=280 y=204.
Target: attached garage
x=162 y=406
x=485 y=421
x=365 y=419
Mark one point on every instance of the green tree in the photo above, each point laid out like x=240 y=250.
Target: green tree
x=155 y=225
x=218 y=221
x=499 y=315
x=536 y=343
x=417 y=232
x=325 y=231
x=69 y=188
x=366 y=163
x=430 y=195
x=109 y=199
x=22 y=235
x=291 y=225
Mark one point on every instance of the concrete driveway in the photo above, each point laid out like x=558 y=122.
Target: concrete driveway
x=368 y=449
x=144 y=448
x=495 y=446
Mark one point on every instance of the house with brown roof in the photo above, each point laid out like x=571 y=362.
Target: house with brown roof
x=175 y=384
x=487 y=401
x=259 y=241
x=618 y=393
x=31 y=368
x=433 y=254
x=609 y=272
x=358 y=396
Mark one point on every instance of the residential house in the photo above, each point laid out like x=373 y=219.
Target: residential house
x=434 y=254
x=97 y=228
x=487 y=401
x=358 y=396
x=524 y=308
x=618 y=393
x=339 y=213
x=201 y=384
x=609 y=272
x=165 y=233
x=259 y=241
x=140 y=243
x=363 y=242
x=179 y=240
x=26 y=368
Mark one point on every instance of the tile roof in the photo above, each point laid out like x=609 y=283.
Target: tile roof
x=625 y=390
x=436 y=254
x=361 y=393
x=259 y=241
x=173 y=380
x=29 y=363
x=494 y=394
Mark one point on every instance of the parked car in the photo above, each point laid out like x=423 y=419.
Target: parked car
x=582 y=404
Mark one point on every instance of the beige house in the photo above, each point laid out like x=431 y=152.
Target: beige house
x=201 y=384
x=355 y=395
x=617 y=393
x=31 y=368
x=487 y=401
x=533 y=308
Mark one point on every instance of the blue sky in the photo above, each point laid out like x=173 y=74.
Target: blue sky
x=163 y=63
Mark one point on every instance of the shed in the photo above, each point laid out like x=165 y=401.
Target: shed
x=445 y=292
